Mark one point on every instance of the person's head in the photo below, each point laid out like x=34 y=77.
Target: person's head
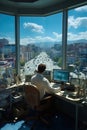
x=41 y=68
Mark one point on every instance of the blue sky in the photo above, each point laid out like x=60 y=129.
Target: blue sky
x=46 y=29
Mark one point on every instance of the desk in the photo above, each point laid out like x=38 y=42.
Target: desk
x=15 y=86
x=76 y=102
x=7 y=92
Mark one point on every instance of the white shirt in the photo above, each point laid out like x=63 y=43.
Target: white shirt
x=43 y=84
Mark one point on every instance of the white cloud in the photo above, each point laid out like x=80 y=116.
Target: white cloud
x=82 y=8
x=27 y=40
x=44 y=39
x=71 y=37
x=78 y=36
x=34 y=27
x=36 y=39
x=58 y=36
x=76 y=22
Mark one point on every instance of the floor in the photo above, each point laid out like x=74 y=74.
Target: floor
x=57 y=122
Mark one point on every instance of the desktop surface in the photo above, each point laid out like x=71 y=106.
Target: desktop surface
x=55 y=85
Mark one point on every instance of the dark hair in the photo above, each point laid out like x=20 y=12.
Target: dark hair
x=41 y=68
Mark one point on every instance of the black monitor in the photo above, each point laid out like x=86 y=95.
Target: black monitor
x=60 y=75
x=48 y=74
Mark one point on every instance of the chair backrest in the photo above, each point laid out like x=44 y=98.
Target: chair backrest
x=32 y=96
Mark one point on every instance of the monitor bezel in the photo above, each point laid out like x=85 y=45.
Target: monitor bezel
x=60 y=81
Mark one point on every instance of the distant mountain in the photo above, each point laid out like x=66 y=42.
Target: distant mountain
x=51 y=44
x=78 y=41
x=45 y=44
x=48 y=45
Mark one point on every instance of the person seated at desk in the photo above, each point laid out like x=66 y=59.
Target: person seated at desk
x=43 y=84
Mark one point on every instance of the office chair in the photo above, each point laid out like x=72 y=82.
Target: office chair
x=41 y=107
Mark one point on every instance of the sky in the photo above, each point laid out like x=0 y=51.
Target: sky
x=45 y=29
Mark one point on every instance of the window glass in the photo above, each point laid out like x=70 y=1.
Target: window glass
x=7 y=49
x=40 y=42
x=77 y=42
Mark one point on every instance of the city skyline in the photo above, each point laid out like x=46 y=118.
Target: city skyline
x=45 y=29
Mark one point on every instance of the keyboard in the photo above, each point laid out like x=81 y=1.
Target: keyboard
x=55 y=85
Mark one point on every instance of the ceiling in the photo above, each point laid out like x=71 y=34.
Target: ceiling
x=37 y=7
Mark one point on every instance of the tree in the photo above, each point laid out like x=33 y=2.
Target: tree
x=60 y=62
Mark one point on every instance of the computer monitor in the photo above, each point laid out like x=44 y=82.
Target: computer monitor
x=48 y=74
x=60 y=75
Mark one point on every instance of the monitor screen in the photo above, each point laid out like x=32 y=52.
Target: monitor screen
x=48 y=74
x=60 y=75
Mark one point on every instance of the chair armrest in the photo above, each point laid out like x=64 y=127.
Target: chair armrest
x=46 y=99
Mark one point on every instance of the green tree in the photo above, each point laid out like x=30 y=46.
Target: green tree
x=60 y=62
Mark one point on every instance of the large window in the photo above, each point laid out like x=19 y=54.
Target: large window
x=40 y=42
x=7 y=48
x=77 y=41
